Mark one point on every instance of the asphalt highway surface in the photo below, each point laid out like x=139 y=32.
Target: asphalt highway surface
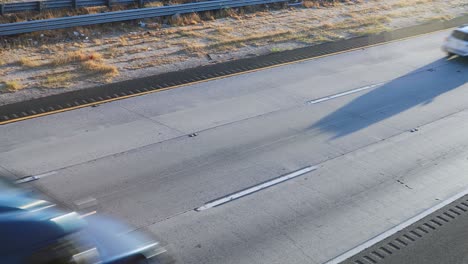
x=384 y=129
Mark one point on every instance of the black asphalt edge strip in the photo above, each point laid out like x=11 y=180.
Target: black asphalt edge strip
x=71 y=100
x=410 y=235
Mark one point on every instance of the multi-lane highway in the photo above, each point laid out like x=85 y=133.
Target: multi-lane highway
x=386 y=128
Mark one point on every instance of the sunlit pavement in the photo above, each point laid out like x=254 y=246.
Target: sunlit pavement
x=389 y=144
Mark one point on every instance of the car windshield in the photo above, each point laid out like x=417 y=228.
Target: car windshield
x=460 y=35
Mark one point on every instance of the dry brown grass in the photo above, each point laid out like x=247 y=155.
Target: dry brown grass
x=123 y=41
x=373 y=20
x=193 y=33
x=137 y=50
x=100 y=67
x=309 y=4
x=57 y=80
x=27 y=62
x=12 y=85
x=229 y=12
x=276 y=50
x=113 y=52
x=208 y=15
x=97 y=41
x=400 y=13
x=318 y=36
x=192 y=46
x=191 y=19
x=252 y=38
x=178 y=2
x=424 y=1
x=176 y=20
x=186 y=19
x=407 y=3
x=154 y=4
x=401 y=4
x=370 y=30
x=358 y=22
x=75 y=56
x=226 y=38
x=439 y=18
x=58 y=35
x=319 y=3
x=155 y=61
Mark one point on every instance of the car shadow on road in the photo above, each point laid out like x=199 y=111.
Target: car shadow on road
x=419 y=87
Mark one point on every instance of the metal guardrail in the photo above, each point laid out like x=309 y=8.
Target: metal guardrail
x=132 y=14
x=16 y=7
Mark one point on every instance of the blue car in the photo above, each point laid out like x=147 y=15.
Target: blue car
x=35 y=231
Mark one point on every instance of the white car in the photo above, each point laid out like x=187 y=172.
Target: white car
x=457 y=42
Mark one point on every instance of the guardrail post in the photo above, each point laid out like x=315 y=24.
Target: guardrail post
x=109 y=3
x=75 y=4
x=2 y=9
x=40 y=6
x=140 y=3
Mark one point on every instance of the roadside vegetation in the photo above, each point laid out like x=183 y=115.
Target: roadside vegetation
x=10 y=86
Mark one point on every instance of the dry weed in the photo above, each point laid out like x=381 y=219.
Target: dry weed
x=12 y=85
x=154 y=4
x=100 y=67
x=123 y=41
x=75 y=56
x=57 y=80
x=27 y=62
x=191 y=19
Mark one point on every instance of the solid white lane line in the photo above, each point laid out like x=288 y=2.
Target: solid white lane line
x=319 y=100
x=42 y=208
x=256 y=188
x=34 y=177
x=395 y=229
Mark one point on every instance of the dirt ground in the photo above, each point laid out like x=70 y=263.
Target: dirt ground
x=46 y=63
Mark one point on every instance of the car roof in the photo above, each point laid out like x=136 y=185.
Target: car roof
x=26 y=221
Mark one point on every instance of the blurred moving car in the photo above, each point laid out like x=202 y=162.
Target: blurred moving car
x=457 y=42
x=38 y=232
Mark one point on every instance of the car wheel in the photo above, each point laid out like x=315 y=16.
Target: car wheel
x=143 y=260
x=134 y=260
x=450 y=54
x=152 y=261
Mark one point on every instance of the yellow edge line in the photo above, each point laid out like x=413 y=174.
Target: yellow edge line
x=210 y=79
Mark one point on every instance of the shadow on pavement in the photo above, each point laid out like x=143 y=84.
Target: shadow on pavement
x=419 y=87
